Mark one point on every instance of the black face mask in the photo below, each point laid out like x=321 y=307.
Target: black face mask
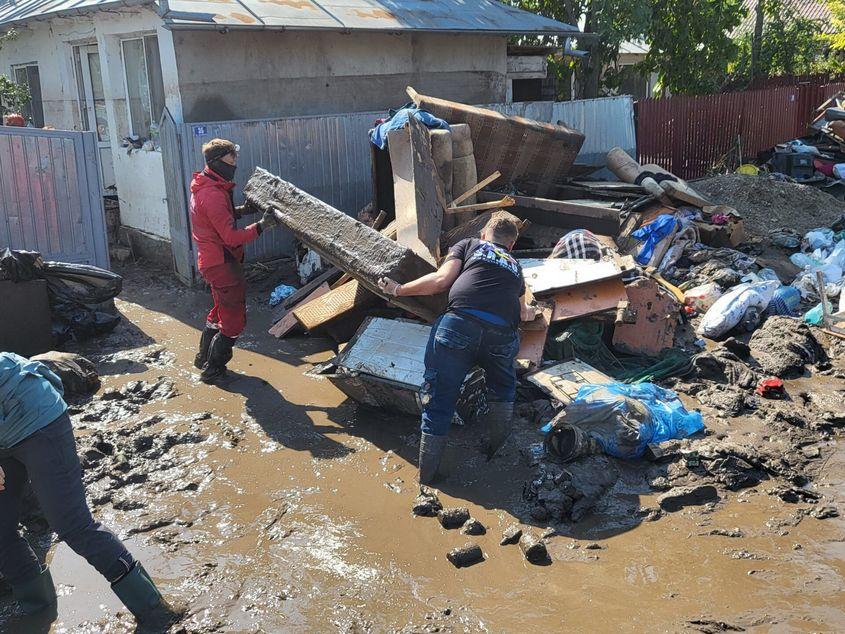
x=223 y=169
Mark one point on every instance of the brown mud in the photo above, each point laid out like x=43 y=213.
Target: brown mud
x=273 y=504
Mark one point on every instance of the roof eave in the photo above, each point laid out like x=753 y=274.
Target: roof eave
x=69 y=13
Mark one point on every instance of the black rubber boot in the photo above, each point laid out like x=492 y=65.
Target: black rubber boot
x=431 y=452
x=500 y=421
x=36 y=594
x=141 y=597
x=205 y=343
x=219 y=354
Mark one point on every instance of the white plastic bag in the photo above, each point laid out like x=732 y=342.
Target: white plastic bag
x=728 y=310
x=819 y=238
x=701 y=298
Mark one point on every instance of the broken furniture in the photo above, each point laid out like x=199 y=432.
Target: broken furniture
x=562 y=381
x=383 y=365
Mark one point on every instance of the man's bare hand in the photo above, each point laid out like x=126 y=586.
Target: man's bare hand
x=389 y=286
x=2 y=479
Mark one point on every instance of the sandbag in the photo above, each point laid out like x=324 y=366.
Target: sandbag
x=729 y=309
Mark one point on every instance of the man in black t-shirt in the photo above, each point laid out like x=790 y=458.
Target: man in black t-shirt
x=479 y=328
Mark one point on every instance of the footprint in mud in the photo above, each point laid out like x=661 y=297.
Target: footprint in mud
x=681 y=497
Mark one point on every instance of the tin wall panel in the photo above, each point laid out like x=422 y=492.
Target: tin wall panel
x=50 y=195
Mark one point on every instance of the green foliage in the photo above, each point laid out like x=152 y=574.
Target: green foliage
x=690 y=44
x=790 y=44
x=836 y=40
x=13 y=97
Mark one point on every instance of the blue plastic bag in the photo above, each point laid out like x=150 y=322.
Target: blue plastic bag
x=625 y=418
x=653 y=233
x=281 y=292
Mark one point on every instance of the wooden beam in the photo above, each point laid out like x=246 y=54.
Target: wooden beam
x=289 y=320
x=507 y=201
x=476 y=188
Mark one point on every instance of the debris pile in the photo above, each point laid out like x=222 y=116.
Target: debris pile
x=636 y=282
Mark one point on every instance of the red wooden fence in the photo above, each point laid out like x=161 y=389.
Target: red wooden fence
x=688 y=135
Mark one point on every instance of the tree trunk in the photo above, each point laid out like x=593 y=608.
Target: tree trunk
x=756 y=39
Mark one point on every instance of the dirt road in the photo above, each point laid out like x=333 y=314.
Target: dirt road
x=273 y=504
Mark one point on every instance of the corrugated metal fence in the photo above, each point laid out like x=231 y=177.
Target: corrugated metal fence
x=329 y=156
x=689 y=135
x=50 y=195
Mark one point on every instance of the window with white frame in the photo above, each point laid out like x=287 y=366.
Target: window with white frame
x=27 y=75
x=144 y=86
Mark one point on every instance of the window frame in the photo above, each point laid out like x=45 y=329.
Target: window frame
x=142 y=37
x=24 y=65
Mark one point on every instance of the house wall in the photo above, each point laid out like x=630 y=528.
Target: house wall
x=252 y=75
x=139 y=177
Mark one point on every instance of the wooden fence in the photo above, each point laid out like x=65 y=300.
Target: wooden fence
x=689 y=135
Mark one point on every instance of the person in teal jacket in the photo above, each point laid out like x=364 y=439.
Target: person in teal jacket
x=37 y=445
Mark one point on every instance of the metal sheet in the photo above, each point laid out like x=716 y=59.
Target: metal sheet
x=544 y=276
x=181 y=242
x=444 y=16
x=12 y=12
x=50 y=195
x=388 y=349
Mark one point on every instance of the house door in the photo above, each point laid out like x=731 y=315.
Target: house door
x=92 y=107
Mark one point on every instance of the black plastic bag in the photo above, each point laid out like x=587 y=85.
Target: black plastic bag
x=20 y=266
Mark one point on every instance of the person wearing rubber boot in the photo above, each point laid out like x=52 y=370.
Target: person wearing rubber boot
x=220 y=254
x=37 y=445
x=479 y=327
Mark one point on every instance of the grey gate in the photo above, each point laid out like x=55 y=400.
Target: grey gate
x=181 y=243
x=50 y=195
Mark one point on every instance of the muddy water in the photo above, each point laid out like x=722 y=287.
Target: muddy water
x=289 y=511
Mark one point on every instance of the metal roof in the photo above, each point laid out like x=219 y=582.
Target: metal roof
x=12 y=11
x=810 y=9
x=445 y=16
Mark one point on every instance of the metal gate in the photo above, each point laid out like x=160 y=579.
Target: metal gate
x=181 y=243
x=50 y=195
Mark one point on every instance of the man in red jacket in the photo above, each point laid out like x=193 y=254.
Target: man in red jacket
x=220 y=254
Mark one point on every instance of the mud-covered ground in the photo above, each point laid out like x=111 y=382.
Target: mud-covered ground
x=274 y=504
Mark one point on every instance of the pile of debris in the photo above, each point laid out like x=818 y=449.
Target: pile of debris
x=629 y=278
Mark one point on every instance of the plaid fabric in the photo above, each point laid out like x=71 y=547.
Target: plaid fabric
x=579 y=244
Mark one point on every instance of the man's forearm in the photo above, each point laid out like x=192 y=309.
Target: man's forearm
x=430 y=284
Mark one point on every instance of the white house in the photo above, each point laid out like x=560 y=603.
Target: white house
x=113 y=66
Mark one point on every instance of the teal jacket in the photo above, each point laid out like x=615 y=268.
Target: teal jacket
x=30 y=398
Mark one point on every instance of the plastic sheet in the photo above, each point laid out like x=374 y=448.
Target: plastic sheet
x=625 y=419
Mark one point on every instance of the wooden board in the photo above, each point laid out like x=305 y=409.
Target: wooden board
x=301 y=293
x=531 y=345
x=336 y=303
x=588 y=299
x=289 y=321
x=562 y=381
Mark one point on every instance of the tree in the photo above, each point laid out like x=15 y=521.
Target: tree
x=690 y=44
x=13 y=97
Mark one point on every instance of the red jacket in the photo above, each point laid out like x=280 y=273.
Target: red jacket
x=213 y=221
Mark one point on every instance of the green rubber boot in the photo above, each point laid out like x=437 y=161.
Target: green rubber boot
x=141 y=597
x=36 y=594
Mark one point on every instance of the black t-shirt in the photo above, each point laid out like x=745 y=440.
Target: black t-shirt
x=490 y=280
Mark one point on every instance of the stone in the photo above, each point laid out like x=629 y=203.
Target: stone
x=511 y=535
x=357 y=249
x=534 y=549
x=473 y=527
x=427 y=503
x=465 y=556
x=681 y=497
x=453 y=517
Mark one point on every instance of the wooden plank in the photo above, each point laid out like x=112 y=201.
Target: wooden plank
x=562 y=381
x=588 y=299
x=474 y=189
x=289 y=321
x=507 y=201
x=531 y=345
x=336 y=303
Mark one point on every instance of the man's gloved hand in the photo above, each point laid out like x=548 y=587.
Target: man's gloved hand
x=2 y=479
x=389 y=286
x=268 y=221
x=247 y=209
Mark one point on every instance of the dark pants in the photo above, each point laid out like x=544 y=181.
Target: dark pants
x=49 y=461
x=456 y=345
x=228 y=291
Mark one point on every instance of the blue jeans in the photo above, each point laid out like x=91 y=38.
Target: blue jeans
x=457 y=344
x=49 y=461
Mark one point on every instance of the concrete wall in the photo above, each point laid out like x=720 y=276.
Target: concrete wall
x=139 y=177
x=252 y=75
